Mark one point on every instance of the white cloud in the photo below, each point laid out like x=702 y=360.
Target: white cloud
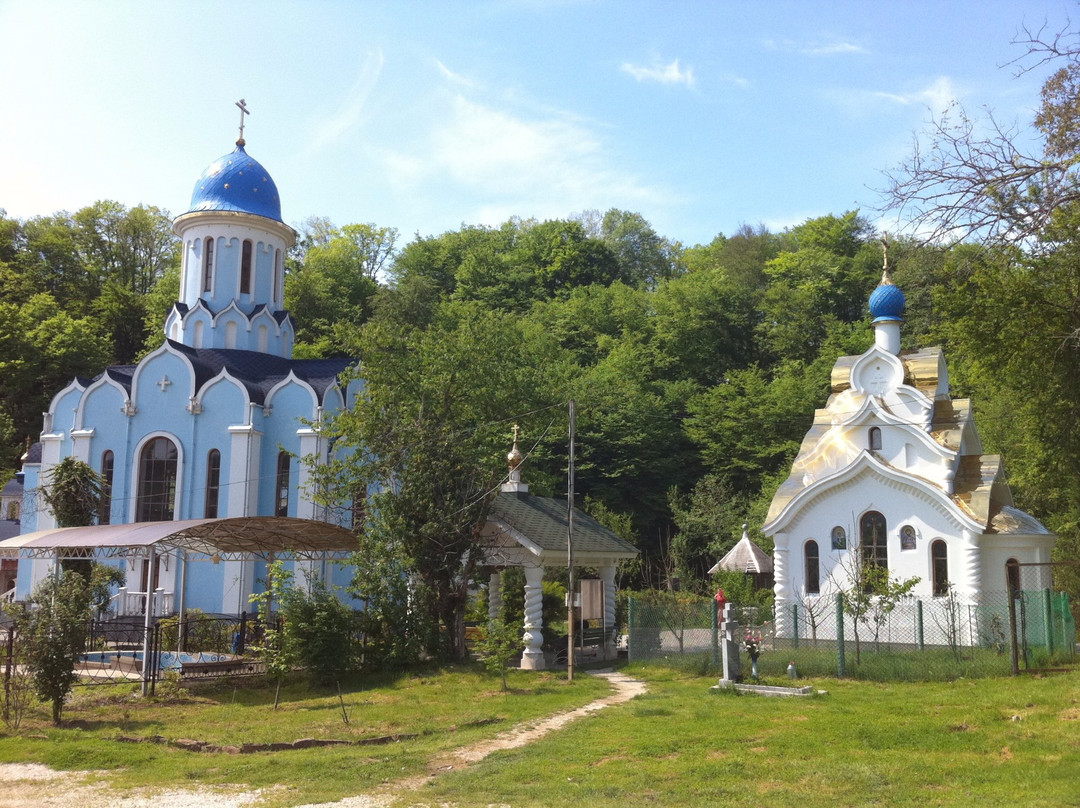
x=833 y=49
x=664 y=74
x=455 y=78
x=542 y=165
x=333 y=126
x=936 y=96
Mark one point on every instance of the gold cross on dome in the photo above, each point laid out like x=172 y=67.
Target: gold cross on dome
x=243 y=111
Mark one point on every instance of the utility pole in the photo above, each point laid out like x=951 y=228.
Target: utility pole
x=570 y=554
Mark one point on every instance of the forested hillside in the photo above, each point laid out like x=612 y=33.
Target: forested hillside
x=695 y=370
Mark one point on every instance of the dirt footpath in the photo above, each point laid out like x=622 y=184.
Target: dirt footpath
x=35 y=786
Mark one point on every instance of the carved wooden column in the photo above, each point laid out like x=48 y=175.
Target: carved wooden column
x=533 y=657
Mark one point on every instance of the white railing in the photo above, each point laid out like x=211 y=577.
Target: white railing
x=8 y=597
x=126 y=603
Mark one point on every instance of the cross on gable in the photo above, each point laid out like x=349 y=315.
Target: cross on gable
x=163 y=382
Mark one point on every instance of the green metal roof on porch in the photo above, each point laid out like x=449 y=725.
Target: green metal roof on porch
x=539 y=526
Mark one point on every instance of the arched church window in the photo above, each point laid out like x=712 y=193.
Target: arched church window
x=245 y=267
x=1012 y=572
x=213 y=483
x=875 y=439
x=231 y=330
x=279 y=275
x=359 y=509
x=813 y=568
x=105 y=512
x=873 y=539
x=208 y=265
x=939 y=561
x=281 y=508
x=157 y=481
x=264 y=338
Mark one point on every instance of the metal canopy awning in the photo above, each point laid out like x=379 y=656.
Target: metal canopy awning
x=234 y=539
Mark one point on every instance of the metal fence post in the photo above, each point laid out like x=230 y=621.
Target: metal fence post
x=631 y=624
x=716 y=632
x=840 y=667
x=919 y=623
x=795 y=624
x=1048 y=622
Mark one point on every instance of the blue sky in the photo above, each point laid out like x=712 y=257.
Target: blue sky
x=428 y=115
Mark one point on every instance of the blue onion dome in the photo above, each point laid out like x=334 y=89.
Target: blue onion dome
x=237 y=182
x=887 y=302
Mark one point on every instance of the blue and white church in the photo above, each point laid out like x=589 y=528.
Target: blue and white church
x=213 y=422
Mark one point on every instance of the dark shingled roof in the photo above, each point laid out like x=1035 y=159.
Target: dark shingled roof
x=543 y=520
x=12 y=488
x=33 y=455
x=257 y=371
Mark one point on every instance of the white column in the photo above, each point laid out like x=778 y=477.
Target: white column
x=311 y=446
x=50 y=457
x=607 y=575
x=244 y=457
x=495 y=598
x=80 y=444
x=533 y=657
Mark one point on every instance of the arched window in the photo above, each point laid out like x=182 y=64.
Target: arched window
x=813 y=568
x=230 y=334
x=939 y=562
x=359 y=509
x=208 y=265
x=157 y=481
x=874 y=440
x=1012 y=571
x=279 y=275
x=282 y=506
x=213 y=483
x=873 y=538
x=105 y=512
x=245 y=267
x=264 y=338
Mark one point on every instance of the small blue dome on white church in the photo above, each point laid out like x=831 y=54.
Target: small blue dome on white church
x=237 y=182
x=887 y=302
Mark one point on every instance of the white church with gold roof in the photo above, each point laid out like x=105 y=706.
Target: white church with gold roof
x=892 y=472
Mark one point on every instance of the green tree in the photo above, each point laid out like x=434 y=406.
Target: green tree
x=428 y=429
x=54 y=626
x=73 y=493
x=336 y=284
x=500 y=643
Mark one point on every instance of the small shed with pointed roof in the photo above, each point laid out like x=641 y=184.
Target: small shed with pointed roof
x=749 y=559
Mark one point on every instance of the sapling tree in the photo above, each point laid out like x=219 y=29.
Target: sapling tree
x=55 y=628
x=872 y=595
x=500 y=642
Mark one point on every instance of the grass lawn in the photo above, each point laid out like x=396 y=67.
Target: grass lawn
x=865 y=743
x=982 y=742
x=447 y=708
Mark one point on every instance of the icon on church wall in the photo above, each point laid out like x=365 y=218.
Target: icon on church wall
x=839 y=538
x=907 y=538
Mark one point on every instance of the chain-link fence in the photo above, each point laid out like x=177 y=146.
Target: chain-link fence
x=941 y=638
